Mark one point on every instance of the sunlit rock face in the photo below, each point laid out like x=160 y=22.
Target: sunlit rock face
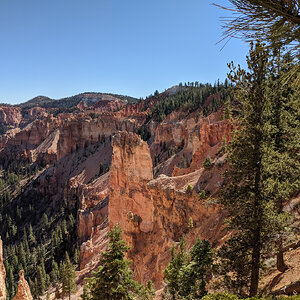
x=155 y=213
x=131 y=170
x=23 y=292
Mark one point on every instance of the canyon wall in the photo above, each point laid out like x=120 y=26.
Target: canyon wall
x=155 y=213
x=10 y=115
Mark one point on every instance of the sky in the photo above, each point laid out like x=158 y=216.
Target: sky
x=59 y=48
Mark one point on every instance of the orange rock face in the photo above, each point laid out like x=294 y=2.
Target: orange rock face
x=2 y=275
x=130 y=202
x=155 y=213
x=23 y=292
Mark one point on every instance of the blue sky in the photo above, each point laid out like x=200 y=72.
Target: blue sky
x=60 y=48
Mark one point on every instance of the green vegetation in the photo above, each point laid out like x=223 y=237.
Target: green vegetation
x=114 y=279
x=186 y=274
x=191 y=97
x=36 y=234
x=225 y=296
x=3 y=128
x=203 y=195
x=71 y=102
x=68 y=277
x=189 y=189
x=274 y=21
x=207 y=163
x=262 y=173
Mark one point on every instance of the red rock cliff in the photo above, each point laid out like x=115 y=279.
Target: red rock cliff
x=155 y=213
x=131 y=170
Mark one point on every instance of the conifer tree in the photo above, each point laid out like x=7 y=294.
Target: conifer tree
x=114 y=279
x=276 y=22
x=186 y=274
x=57 y=293
x=68 y=278
x=172 y=271
x=252 y=213
x=283 y=161
x=193 y=276
x=41 y=278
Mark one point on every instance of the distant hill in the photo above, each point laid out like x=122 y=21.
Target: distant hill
x=89 y=98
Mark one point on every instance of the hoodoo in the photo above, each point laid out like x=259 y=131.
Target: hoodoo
x=23 y=292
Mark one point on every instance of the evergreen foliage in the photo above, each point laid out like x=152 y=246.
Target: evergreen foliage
x=226 y=296
x=275 y=22
x=186 y=274
x=33 y=241
x=251 y=197
x=114 y=279
x=207 y=163
x=68 y=278
x=191 y=97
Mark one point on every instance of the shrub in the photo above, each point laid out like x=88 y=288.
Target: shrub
x=207 y=163
x=220 y=296
x=202 y=195
x=189 y=189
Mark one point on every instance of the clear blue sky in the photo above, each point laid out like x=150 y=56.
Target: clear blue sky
x=59 y=48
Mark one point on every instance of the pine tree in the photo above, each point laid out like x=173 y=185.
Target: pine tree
x=193 y=276
x=114 y=279
x=252 y=214
x=41 y=278
x=283 y=161
x=186 y=274
x=172 y=271
x=68 y=278
x=275 y=22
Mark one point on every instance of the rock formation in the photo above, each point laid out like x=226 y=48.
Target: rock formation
x=155 y=213
x=131 y=169
x=10 y=115
x=23 y=292
x=2 y=275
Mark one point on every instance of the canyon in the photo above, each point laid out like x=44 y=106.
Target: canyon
x=95 y=160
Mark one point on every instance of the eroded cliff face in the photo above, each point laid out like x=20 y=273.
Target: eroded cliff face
x=2 y=274
x=10 y=115
x=131 y=169
x=155 y=213
x=181 y=145
x=51 y=138
x=23 y=292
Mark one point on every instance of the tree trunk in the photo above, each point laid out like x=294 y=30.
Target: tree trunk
x=255 y=264
x=281 y=266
